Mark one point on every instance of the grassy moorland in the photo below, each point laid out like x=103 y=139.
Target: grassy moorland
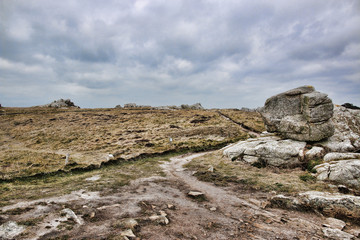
x=36 y=140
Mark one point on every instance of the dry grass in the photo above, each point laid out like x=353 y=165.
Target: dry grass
x=35 y=140
x=251 y=120
x=265 y=179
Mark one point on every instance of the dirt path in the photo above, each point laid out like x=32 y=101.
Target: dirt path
x=222 y=212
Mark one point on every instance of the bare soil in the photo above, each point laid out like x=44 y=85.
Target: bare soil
x=230 y=212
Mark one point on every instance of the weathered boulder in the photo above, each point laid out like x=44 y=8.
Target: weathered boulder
x=346 y=137
x=329 y=204
x=332 y=204
x=301 y=114
x=269 y=151
x=345 y=172
x=61 y=103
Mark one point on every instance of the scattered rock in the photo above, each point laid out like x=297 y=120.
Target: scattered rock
x=118 y=106
x=128 y=233
x=10 y=230
x=93 y=178
x=345 y=172
x=195 y=194
x=61 y=103
x=159 y=219
x=213 y=209
x=301 y=114
x=211 y=169
x=336 y=234
x=71 y=215
x=171 y=206
x=130 y=223
x=346 y=137
x=335 y=223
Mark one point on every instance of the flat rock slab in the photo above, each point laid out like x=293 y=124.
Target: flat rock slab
x=195 y=194
x=10 y=230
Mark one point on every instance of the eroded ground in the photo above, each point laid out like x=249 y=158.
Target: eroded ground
x=228 y=212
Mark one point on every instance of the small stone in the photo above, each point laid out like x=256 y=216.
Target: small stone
x=70 y=214
x=92 y=215
x=213 y=209
x=93 y=178
x=195 y=194
x=128 y=233
x=163 y=213
x=130 y=223
x=211 y=169
x=159 y=219
x=170 y=206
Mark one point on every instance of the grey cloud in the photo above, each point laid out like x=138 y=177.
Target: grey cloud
x=220 y=53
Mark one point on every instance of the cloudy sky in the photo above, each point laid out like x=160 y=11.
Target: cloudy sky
x=222 y=53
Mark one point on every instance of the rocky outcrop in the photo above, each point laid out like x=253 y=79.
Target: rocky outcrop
x=346 y=137
x=301 y=114
x=305 y=115
x=329 y=204
x=196 y=106
x=268 y=151
x=343 y=171
x=61 y=103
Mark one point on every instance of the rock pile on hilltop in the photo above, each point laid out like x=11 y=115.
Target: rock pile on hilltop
x=306 y=127
x=61 y=103
x=196 y=106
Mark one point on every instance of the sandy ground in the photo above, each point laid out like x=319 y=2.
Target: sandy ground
x=220 y=213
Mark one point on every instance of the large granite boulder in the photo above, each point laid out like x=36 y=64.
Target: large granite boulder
x=346 y=137
x=268 y=151
x=301 y=114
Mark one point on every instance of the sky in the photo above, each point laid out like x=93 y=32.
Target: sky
x=221 y=53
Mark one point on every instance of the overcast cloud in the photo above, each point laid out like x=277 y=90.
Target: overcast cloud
x=160 y=52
